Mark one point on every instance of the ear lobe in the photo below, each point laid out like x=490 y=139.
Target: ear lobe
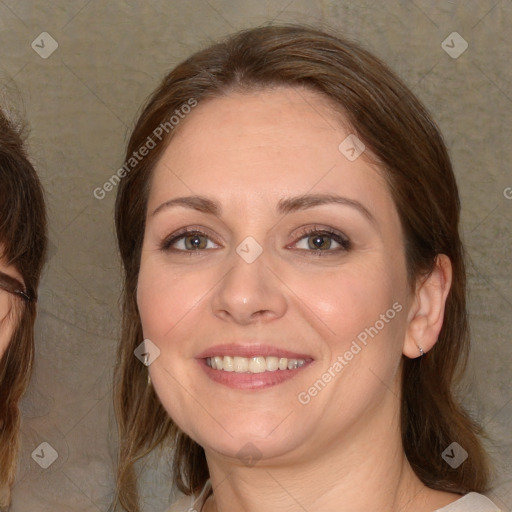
x=426 y=314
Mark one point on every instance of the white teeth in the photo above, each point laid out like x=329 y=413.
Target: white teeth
x=227 y=363
x=256 y=364
x=240 y=364
x=272 y=363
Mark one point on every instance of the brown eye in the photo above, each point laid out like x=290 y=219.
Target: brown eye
x=188 y=241
x=323 y=241
x=319 y=242
x=195 y=242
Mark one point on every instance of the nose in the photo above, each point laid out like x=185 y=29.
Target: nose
x=249 y=293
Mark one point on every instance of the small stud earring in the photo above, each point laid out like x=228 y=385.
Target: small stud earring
x=421 y=351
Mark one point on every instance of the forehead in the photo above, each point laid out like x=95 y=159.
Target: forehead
x=268 y=143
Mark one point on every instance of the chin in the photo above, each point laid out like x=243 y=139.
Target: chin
x=248 y=441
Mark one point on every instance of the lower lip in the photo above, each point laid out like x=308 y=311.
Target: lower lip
x=250 y=380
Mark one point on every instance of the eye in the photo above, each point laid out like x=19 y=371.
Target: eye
x=323 y=240
x=312 y=240
x=188 y=241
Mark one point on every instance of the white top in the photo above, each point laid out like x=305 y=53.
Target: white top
x=472 y=502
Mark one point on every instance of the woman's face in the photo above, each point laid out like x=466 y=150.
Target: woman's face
x=294 y=252
x=7 y=308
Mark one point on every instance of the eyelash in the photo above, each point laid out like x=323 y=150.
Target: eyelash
x=342 y=240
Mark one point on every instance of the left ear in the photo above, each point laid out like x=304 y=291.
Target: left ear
x=426 y=313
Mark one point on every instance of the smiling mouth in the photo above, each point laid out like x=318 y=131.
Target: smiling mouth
x=256 y=364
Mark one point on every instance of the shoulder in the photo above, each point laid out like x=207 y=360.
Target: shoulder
x=472 y=502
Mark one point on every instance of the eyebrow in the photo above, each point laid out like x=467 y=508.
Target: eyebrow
x=284 y=206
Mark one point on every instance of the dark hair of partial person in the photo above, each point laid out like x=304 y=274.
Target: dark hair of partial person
x=407 y=145
x=23 y=241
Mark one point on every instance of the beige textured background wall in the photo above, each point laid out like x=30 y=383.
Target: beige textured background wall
x=81 y=102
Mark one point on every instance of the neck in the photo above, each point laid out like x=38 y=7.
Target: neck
x=363 y=469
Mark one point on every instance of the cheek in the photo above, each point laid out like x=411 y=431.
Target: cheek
x=168 y=301
x=165 y=298
x=346 y=299
x=361 y=311
x=7 y=321
x=4 y=305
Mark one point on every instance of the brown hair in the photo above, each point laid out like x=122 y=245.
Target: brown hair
x=23 y=243
x=405 y=141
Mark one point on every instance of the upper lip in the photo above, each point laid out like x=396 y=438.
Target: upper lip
x=250 y=350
